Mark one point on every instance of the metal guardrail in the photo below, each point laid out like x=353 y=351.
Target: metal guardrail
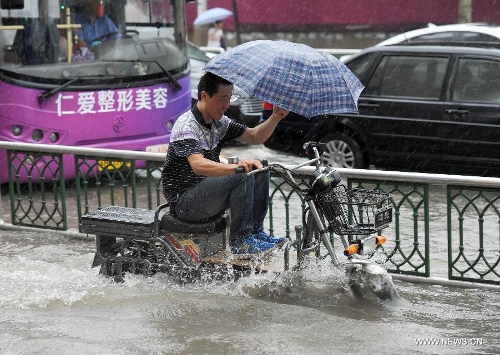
x=337 y=52
x=469 y=212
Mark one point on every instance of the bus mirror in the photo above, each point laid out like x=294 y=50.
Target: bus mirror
x=12 y=4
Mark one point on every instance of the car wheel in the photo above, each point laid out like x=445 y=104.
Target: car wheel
x=342 y=152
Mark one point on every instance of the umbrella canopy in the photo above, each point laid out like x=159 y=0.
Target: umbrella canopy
x=212 y=15
x=294 y=76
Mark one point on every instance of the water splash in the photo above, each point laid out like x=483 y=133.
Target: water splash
x=370 y=279
x=37 y=273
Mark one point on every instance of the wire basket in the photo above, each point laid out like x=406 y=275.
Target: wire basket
x=355 y=211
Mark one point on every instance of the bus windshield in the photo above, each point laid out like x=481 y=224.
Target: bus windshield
x=51 y=42
x=111 y=74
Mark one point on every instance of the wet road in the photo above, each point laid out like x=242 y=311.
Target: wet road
x=52 y=302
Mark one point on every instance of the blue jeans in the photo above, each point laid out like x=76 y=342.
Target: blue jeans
x=246 y=196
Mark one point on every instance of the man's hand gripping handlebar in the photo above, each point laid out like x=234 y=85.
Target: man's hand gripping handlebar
x=250 y=165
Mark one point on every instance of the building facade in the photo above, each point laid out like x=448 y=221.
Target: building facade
x=333 y=21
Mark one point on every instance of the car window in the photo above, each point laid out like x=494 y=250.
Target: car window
x=476 y=37
x=438 y=37
x=477 y=80
x=456 y=36
x=358 y=65
x=197 y=63
x=408 y=76
x=198 y=54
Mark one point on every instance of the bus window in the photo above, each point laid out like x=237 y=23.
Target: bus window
x=124 y=92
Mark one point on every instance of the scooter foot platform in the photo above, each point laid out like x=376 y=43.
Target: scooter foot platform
x=271 y=261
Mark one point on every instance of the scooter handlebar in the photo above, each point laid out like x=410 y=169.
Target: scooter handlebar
x=241 y=170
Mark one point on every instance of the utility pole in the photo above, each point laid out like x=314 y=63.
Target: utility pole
x=202 y=6
x=200 y=32
x=464 y=11
x=236 y=23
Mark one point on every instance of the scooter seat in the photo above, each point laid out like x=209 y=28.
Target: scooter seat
x=173 y=224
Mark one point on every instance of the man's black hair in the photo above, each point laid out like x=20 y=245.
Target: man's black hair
x=210 y=84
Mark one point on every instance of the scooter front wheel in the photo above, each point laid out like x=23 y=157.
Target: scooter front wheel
x=368 y=279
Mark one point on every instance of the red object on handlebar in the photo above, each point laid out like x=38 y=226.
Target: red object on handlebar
x=267 y=106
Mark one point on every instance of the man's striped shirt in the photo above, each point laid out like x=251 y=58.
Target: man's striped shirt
x=191 y=135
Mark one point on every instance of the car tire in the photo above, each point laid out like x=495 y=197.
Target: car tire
x=342 y=152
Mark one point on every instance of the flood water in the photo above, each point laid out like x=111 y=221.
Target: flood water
x=53 y=302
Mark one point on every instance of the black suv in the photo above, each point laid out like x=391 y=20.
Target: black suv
x=426 y=108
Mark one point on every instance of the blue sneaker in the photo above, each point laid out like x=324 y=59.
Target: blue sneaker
x=261 y=235
x=252 y=245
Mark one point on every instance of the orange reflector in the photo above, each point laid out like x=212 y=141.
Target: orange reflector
x=351 y=249
x=380 y=239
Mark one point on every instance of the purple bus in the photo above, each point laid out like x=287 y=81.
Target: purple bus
x=124 y=90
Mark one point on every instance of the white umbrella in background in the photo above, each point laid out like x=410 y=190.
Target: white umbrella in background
x=212 y=15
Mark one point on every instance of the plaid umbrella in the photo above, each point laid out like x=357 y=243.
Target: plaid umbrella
x=294 y=76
